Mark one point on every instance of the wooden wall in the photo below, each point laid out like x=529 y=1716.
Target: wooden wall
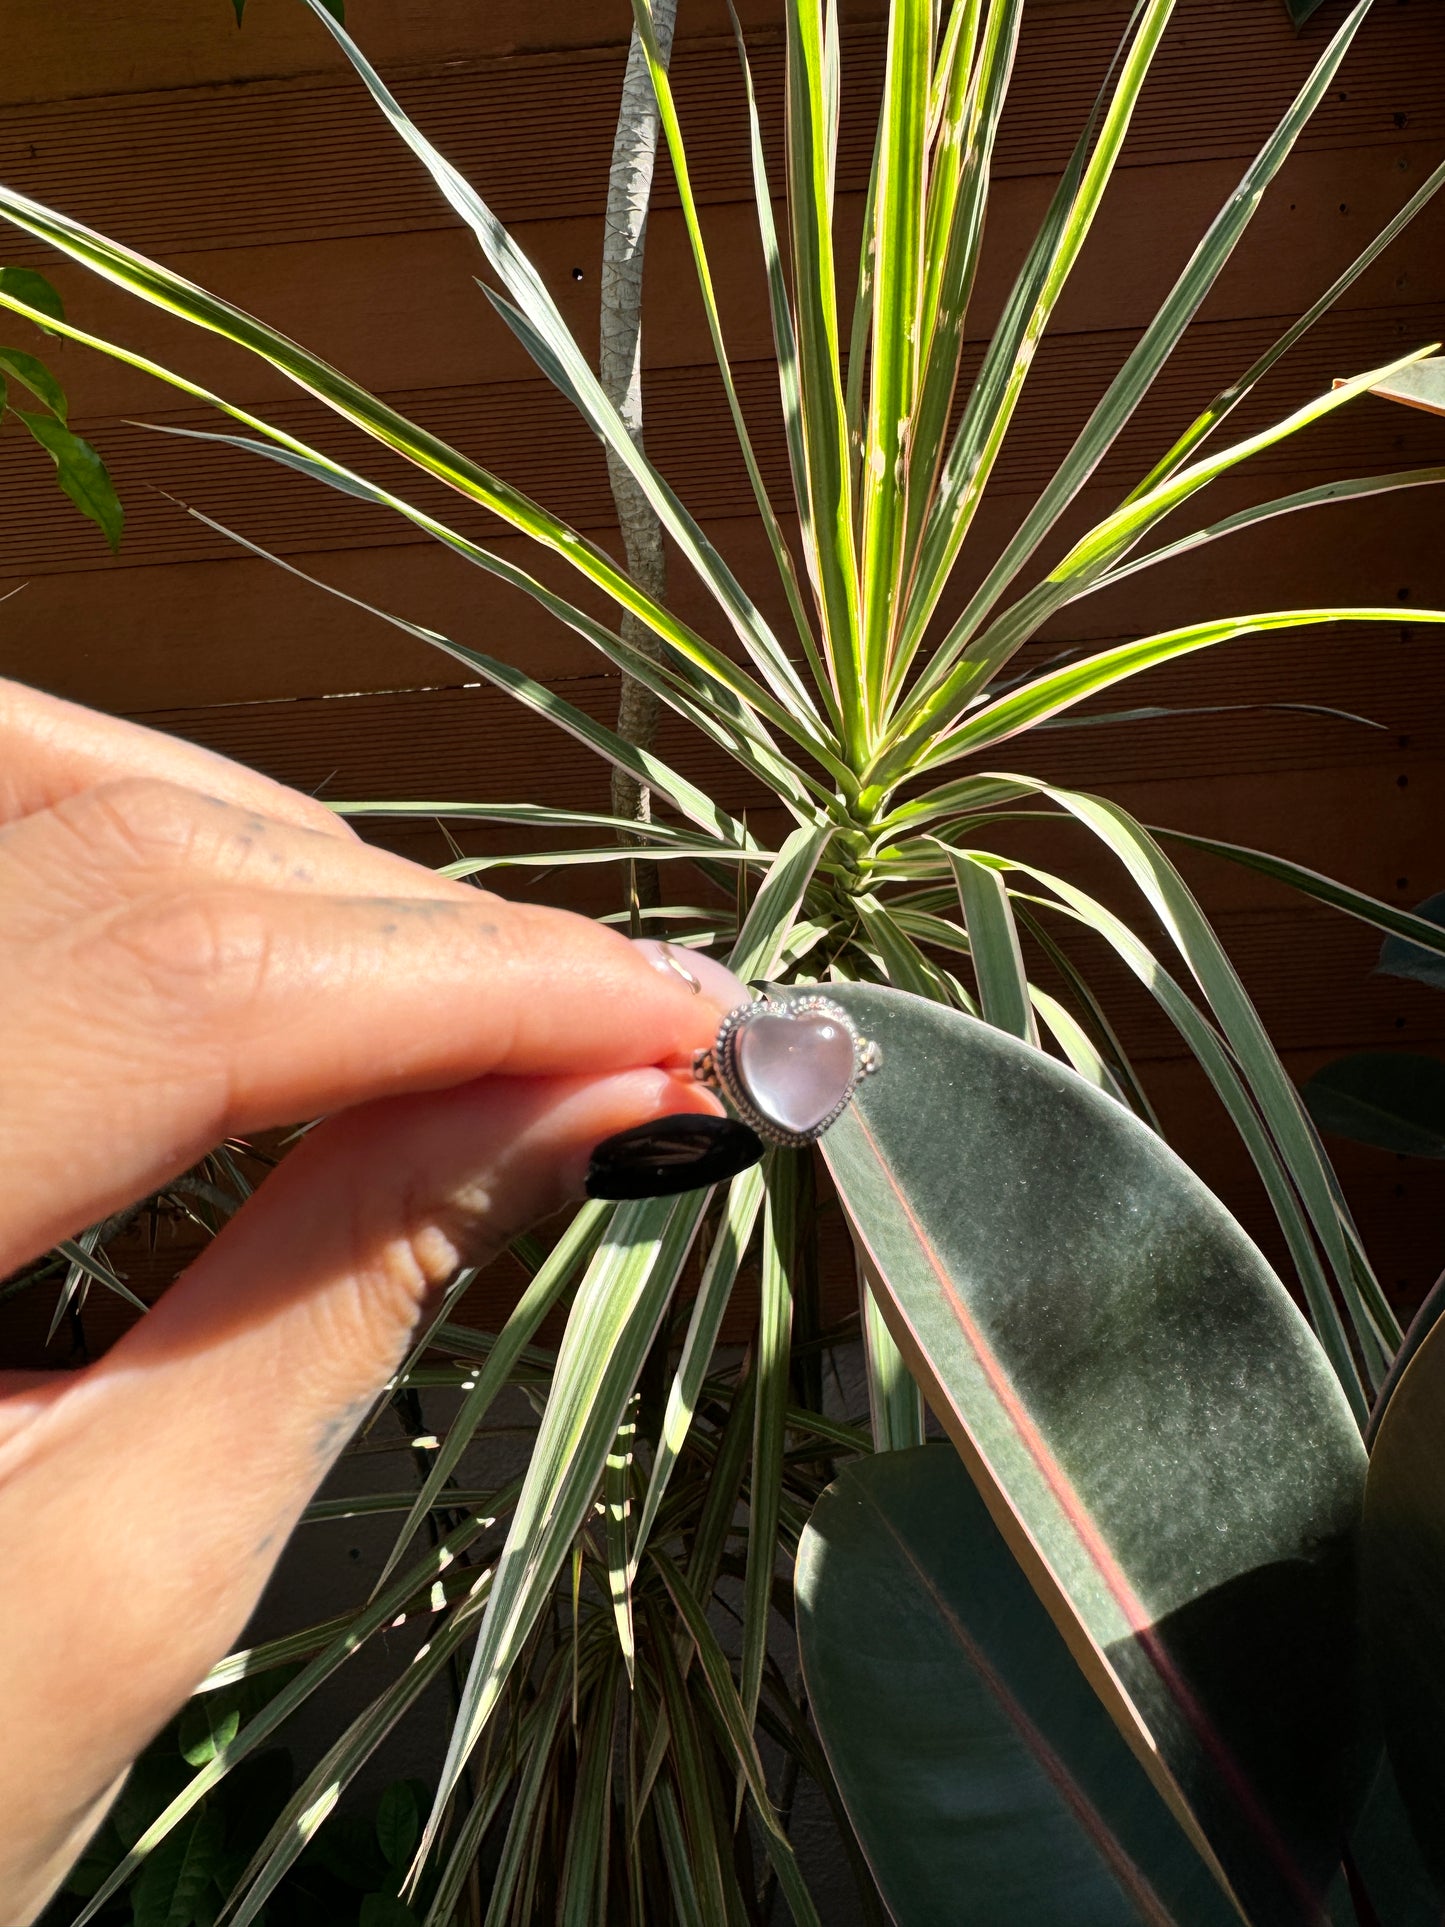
x=252 y=162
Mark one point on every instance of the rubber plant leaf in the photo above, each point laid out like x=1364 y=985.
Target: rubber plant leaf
x=1387 y=1883
x=1403 y=1588
x=1152 y=1424
x=1394 y=1100
x=972 y=1754
x=1418 y=1330
x=1401 y=958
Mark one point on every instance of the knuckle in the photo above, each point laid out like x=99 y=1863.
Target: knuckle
x=138 y=820
x=312 y=815
x=401 y=1224
x=202 y=952
x=399 y=1258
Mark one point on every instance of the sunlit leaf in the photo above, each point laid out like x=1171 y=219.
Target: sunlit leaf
x=528 y=290
x=1422 y=386
x=82 y=475
x=211 y=1721
x=993 y=938
x=775 y=1327
x=35 y=376
x=1230 y=397
x=740 y=1214
x=1158 y=341
x=615 y=1315
x=34 y=291
x=820 y=382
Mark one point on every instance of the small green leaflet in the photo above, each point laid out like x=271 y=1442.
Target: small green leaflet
x=35 y=376
x=33 y=289
x=81 y=473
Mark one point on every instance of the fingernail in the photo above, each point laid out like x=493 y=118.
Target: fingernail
x=704 y=974
x=671 y=1154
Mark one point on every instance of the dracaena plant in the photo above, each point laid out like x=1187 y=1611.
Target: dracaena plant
x=1171 y=1462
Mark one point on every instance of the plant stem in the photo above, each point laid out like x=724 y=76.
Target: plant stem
x=624 y=241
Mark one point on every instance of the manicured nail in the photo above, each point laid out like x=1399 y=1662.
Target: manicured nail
x=704 y=975
x=671 y=1154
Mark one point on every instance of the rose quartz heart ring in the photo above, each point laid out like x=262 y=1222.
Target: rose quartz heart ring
x=788 y=1069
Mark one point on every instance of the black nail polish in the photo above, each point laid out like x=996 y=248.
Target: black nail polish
x=671 y=1154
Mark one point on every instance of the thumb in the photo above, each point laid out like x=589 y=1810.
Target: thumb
x=145 y=1502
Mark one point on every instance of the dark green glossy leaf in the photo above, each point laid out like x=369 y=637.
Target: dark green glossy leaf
x=385 y=1910
x=81 y=473
x=210 y=1721
x=1154 y=1427
x=28 y=286
x=346 y=1847
x=1300 y=10
x=1388 y=1884
x=1392 y=1099
x=1401 y=958
x=398 y=1822
x=972 y=1754
x=152 y=1782
x=173 y=1887
x=1403 y=1575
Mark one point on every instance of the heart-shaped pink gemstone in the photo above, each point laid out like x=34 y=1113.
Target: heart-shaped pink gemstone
x=797 y=1069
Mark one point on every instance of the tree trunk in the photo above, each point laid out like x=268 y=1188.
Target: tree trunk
x=629 y=189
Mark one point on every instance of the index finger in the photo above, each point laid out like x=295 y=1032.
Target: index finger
x=156 y=1029
x=51 y=749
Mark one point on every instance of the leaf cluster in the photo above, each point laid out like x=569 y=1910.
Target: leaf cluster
x=82 y=475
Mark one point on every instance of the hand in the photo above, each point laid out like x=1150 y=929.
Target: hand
x=188 y=951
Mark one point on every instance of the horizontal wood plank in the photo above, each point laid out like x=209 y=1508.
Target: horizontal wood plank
x=308 y=158
x=92 y=47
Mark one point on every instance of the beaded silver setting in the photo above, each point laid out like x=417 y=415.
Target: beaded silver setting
x=720 y=1070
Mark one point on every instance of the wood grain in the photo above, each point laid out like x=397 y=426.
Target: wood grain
x=307 y=158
